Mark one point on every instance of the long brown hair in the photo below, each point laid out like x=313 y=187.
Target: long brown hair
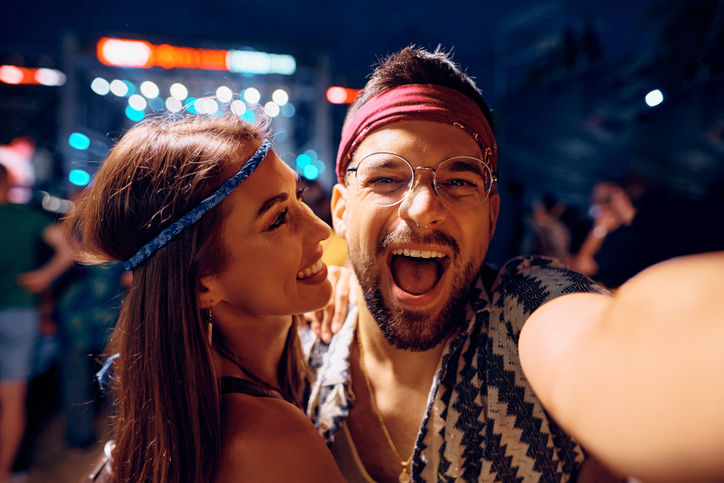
x=168 y=425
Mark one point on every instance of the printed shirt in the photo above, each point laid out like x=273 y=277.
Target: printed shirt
x=483 y=423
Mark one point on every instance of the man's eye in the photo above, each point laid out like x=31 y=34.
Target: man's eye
x=279 y=220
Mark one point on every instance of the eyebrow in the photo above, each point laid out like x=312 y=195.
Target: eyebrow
x=281 y=197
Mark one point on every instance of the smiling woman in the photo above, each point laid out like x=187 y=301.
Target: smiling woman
x=223 y=254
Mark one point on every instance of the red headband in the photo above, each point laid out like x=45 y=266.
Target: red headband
x=418 y=102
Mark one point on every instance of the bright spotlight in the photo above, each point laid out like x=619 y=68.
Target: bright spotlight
x=238 y=107
x=654 y=98
x=271 y=109
x=224 y=94
x=149 y=89
x=280 y=96
x=179 y=91
x=100 y=86
x=119 y=88
x=173 y=104
x=137 y=102
x=252 y=95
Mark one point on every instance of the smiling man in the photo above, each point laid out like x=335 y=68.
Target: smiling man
x=423 y=382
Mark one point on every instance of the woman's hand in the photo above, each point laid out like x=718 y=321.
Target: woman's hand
x=329 y=320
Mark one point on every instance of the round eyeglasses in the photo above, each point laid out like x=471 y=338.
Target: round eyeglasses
x=387 y=178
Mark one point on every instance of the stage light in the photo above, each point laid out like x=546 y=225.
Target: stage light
x=50 y=77
x=134 y=114
x=280 y=96
x=119 y=88
x=79 y=177
x=341 y=95
x=224 y=94
x=654 y=98
x=173 y=104
x=238 y=107
x=149 y=89
x=288 y=110
x=191 y=105
x=79 y=141
x=179 y=91
x=100 y=86
x=252 y=95
x=137 y=102
x=271 y=108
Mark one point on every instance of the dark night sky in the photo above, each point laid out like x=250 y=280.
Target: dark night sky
x=353 y=33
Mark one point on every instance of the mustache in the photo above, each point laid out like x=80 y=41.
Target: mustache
x=405 y=235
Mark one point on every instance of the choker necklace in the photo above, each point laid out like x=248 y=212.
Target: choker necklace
x=404 y=477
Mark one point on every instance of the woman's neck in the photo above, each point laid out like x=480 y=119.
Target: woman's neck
x=257 y=349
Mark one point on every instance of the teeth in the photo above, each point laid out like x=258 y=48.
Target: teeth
x=313 y=270
x=418 y=253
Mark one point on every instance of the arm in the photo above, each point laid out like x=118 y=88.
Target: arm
x=636 y=378
x=38 y=280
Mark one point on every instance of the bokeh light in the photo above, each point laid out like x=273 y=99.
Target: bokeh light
x=79 y=177
x=654 y=98
x=252 y=96
x=179 y=91
x=149 y=89
x=137 y=102
x=224 y=94
x=238 y=107
x=173 y=104
x=79 y=141
x=119 y=88
x=280 y=96
x=271 y=109
x=100 y=86
x=134 y=114
x=288 y=110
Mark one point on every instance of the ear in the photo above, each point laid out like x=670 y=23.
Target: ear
x=494 y=201
x=339 y=209
x=208 y=293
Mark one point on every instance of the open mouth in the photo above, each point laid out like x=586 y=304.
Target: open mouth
x=417 y=271
x=310 y=272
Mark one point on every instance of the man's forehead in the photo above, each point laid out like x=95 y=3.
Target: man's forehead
x=419 y=138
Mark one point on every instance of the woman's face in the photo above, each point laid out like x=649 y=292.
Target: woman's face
x=273 y=240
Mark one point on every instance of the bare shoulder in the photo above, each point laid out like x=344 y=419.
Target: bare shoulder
x=268 y=439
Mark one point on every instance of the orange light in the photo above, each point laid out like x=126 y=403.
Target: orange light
x=342 y=95
x=125 y=53
x=12 y=74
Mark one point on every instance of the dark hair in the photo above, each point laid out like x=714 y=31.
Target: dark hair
x=168 y=426
x=415 y=65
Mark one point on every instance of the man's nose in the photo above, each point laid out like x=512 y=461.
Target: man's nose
x=422 y=205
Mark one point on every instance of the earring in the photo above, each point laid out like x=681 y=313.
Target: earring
x=210 y=324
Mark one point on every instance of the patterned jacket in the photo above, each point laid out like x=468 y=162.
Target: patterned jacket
x=483 y=423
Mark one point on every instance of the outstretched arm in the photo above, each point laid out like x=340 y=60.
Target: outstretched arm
x=636 y=378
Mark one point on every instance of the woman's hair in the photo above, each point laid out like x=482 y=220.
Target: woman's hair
x=168 y=425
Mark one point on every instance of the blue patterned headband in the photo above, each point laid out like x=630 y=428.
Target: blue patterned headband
x=195 y=215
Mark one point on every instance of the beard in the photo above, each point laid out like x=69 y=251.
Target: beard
x=416 y=331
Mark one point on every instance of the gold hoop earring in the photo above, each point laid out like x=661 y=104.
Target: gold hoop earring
x=210 y=325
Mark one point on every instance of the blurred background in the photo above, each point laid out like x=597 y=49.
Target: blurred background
x=583 y=92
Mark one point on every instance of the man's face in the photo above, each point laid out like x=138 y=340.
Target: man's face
x=416 y=260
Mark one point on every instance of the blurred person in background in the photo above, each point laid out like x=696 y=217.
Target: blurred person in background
x=33 y=254
x=550 y=236
x=210 y=373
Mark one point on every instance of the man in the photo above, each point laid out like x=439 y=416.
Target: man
x=423 y=382
x=25 y=235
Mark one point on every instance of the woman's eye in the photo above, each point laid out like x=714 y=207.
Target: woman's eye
x=279 y=220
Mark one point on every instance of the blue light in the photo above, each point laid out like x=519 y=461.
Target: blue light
x=156 y=104
x=282 y=135
x=288 y=110
x=133 y=114
x=131 y=88
x=311 y=172
x=303 y=160
x=248 y=117
x=320 y=166
x=189 y=105
x=79 y=141
x=79 y=177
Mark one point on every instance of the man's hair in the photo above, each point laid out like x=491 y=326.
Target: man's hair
x=415 y=65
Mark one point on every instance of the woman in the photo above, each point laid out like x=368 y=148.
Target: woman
x=210 y=374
